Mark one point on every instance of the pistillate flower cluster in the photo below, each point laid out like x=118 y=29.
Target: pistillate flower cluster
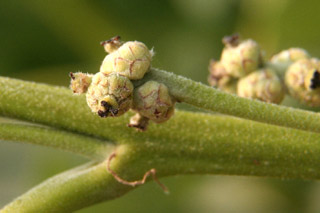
x=242 y=71
x=111 y=93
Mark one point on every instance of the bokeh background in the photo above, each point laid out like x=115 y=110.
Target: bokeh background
x=43 y=41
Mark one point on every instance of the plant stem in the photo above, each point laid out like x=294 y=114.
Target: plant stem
x=189 y=143
x=205 y=97
x=192 y=143
x=87 y=146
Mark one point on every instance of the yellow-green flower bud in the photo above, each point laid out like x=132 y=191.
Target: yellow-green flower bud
x=263 y=85
x=289 y=56
x=80 y=82
x=152 y=100
x=241 y=59
x=303 y=81
x=219 y=78
x=110 y=95
x=132 y=60
x=139 y=122
x=112 y=44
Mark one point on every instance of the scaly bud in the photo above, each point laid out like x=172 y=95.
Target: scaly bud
x=80 y=82
x=132 y=60
x=152 y=100
x=110 y=95
x=303 y=82
x=263 y=85
x=219 y=78
x=240 y=58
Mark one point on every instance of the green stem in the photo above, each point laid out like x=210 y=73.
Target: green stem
x=57 y=107
x=86 y=146
x=186 y=144
x=192 y=143
x=205 y=97
x=69 y=191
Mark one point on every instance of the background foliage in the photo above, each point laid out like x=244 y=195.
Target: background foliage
x=44 y=40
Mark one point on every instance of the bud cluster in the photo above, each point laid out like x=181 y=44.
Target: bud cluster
x=111 y=93
x=242 y=71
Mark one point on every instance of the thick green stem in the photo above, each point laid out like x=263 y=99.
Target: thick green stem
x=205 y=97
x=192 y=143
x=70 y=191
x=189 y=143
x=86 y=146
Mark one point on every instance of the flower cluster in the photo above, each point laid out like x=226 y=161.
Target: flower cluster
x=242 y=71
x=111 y=93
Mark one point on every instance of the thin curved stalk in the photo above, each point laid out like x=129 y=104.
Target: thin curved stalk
x=87 y=146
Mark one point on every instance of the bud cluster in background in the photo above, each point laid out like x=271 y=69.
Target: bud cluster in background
x=242 y=70
x=111 y=93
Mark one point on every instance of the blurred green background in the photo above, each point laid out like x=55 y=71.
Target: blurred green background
x=45 y=40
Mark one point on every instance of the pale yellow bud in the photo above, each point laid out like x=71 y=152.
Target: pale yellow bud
x=219 y=78
x=242 y=59
x=152 y=100
x=302 y=80
x=289 y=56
x=263 y=85
x=80 y=82
x=110 y=95
x=132 y=60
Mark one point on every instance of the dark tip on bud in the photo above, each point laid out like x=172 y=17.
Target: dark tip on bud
x=102 y=114
x=112 y=40
x=72 y=76
x=105 y=104
x=232 y=40
x=114 y=111
x=315 y=80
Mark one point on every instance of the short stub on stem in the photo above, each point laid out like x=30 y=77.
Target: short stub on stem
x=138 y=182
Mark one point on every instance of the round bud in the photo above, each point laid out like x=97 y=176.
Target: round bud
x=241 y=59
x=80 y=82
x=152 y=100
x=289 y=56
x=303 y=81
x=219 y=78
x=132 y=60
x=110 y=95
x=263 y=85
